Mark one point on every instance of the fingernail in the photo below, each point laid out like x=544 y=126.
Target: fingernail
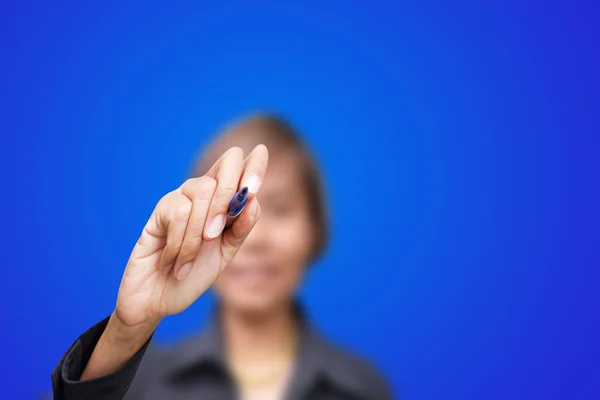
x=253 y=183
x=216 y=226
x=184 y=270
x=254 y=207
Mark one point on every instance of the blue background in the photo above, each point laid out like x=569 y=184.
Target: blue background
x=478 y=123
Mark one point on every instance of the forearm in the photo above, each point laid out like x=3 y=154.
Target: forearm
x=117 y=345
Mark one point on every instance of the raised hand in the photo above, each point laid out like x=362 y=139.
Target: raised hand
x=183 y=248
x=180 y=253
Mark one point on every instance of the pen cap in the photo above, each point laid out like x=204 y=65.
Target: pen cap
x=237 y=203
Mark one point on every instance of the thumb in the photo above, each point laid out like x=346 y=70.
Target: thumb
x=239 y=231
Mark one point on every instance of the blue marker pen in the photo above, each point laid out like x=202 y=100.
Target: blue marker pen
x=236 y=205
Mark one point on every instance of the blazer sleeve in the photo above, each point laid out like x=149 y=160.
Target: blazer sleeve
x=65 y=377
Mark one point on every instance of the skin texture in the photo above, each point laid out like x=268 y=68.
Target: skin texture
x=178 y=256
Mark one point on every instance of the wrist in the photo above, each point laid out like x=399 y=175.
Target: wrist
x=119 y=332
x=118 y=343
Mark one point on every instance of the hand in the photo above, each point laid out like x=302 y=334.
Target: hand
x=183 y=248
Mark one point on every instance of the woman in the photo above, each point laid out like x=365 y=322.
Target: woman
x=259 y=344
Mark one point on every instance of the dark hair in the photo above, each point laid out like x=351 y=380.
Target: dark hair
x=277 y=134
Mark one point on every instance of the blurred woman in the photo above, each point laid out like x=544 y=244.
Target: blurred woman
x=259 y=344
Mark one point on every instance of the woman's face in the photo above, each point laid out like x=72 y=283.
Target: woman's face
x=268 y=267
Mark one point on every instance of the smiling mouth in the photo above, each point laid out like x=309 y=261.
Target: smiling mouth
x=253 y=274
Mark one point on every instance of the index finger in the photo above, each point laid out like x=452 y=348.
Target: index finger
x=255 y=167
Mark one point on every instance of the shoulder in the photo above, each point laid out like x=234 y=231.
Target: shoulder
x=161 y=359
x=169 y=360
x=157 y=370
x=151 y=367
x=353 y=371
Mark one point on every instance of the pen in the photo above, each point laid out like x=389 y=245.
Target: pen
x=236 y=205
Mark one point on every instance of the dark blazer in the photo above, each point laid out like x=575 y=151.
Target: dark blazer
x=196 y=369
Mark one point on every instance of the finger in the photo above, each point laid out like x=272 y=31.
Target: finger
x=239 y=231
x=200 y=191
x=227 y=171
x=174 y=214
x=255 y=168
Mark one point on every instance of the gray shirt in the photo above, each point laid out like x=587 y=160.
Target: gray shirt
x=196 y=369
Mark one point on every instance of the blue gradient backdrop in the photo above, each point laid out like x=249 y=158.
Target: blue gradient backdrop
x=479 y=121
